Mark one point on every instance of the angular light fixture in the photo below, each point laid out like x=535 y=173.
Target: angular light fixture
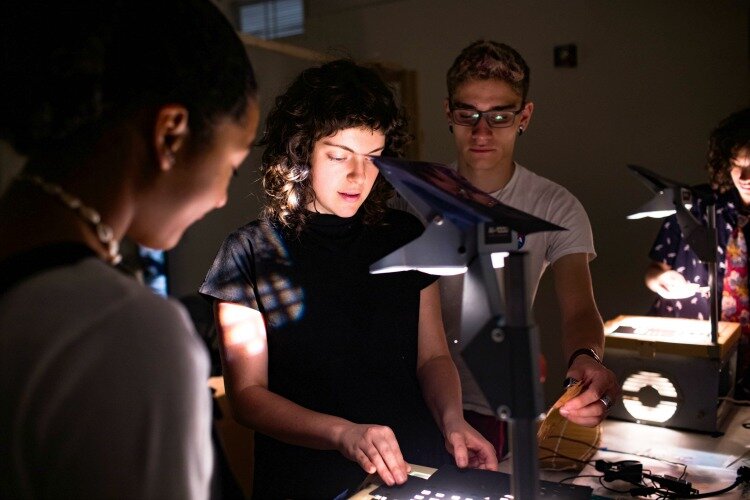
x=673 y=197
x=453 y=208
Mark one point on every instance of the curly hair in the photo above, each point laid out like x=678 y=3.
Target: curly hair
x=72 y=68
x=320 y=102
x=731 y=136
x=488 y=60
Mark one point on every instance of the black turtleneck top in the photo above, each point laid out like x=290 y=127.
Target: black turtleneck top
x=341 y=341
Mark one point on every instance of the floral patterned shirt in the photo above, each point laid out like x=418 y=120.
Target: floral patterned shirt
x=671 y=248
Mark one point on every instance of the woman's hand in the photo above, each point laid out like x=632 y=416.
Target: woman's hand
x=672 y=285
x=375 y=449
x=668 y=283
x=468 y=447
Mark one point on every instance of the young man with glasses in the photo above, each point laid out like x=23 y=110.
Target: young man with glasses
x=487 y=110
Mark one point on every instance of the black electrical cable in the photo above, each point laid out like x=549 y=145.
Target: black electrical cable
x=743 y=476
x=610 y=450
x=643 y=489
x=714 y=493
x=672 y=485
x=611 y=489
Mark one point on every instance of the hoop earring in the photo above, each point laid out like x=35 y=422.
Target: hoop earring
x=450 y=128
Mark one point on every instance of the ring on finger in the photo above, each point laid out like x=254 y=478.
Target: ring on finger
x=607 y=402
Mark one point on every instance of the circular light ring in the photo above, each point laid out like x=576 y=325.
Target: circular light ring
x=637 y=391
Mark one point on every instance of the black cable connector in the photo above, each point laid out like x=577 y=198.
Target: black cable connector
x=743 y=474
x=625 y=470
x=632 y=472
x=679 y=486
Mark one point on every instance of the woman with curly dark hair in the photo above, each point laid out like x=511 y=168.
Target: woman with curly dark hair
x=675 y=272
x=340 y=372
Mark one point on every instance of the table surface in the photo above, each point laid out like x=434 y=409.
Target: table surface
x=710 y=462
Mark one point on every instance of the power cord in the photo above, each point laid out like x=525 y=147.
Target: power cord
x=743 y=477
x=631 y=471
x=611 y=450
x=680 y=487
x=664 y=486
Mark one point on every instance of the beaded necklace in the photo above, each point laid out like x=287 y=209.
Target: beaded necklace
x=103 y=232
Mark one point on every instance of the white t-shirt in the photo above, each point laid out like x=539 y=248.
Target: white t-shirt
x=547 y=200
x=104 y=394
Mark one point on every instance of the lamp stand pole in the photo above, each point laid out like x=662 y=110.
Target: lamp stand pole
x=503 y=357
x=702 y=239
x=523 y=423
x=713 y=278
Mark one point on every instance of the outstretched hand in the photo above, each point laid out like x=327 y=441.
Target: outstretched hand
x=672 y=285
x=468 y=447
x=375 y=449
x=600 y=391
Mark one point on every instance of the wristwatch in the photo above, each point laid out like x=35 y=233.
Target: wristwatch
x=587 y=351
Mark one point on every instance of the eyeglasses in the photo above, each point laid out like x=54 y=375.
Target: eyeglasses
x=469 y=117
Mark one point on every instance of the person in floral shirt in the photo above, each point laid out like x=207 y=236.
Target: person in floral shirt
x=676 y=273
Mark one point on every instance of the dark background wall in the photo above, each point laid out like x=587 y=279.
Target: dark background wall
x=653 y=78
